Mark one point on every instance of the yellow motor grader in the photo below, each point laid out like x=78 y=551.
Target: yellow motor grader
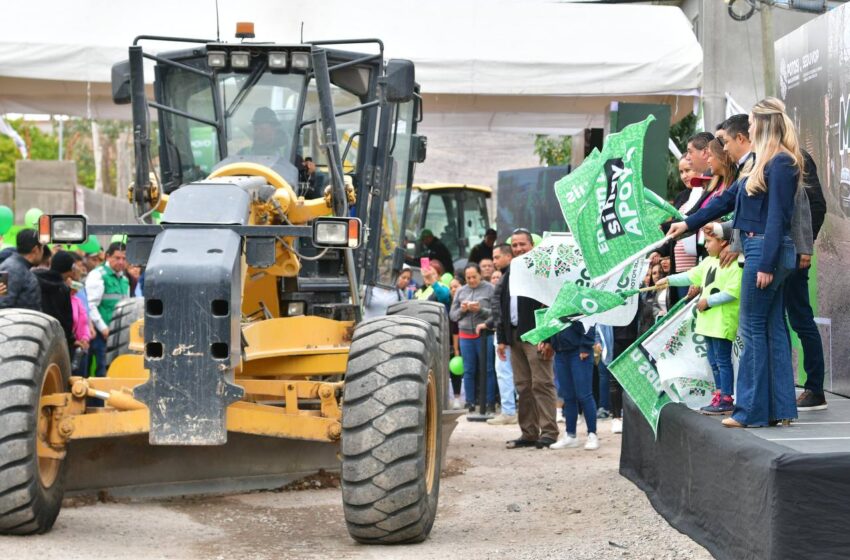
x=251 y=328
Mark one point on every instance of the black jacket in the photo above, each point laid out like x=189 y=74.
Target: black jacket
x=56 y=301
x=817 y=203
x=500 y=320
x=22 y=290
x=480 y=251
x=437 y=250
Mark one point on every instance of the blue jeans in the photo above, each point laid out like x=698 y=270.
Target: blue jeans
x=720 y=360
x=505 y=379
x=97 y=352
x=470 y=350
x=575 y=383
x=765 y=389
x=604 y=386
x=802 y=320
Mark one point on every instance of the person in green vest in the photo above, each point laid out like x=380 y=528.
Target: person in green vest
x=106 y=285
x=717 y=318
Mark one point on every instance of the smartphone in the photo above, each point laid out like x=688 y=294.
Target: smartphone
x=4 y=277
x=424 y=263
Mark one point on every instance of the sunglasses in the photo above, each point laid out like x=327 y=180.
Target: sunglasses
x=520 y=230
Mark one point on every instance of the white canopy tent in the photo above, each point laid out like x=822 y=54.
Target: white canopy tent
x=507 y=65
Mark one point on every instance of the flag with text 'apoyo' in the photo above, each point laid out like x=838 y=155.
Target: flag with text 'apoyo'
x=605 y=206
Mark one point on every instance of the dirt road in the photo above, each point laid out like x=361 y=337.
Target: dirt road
x=494 y=503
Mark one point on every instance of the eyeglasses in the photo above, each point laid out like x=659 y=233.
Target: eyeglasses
x=721 y=141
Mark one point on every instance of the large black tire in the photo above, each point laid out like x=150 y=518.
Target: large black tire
x=33 y=362
x=127 y=312
x=434 y=314
x=391 y=431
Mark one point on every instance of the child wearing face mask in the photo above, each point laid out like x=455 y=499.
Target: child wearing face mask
x=717 y=320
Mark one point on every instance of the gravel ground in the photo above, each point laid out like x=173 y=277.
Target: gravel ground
x=494 y=503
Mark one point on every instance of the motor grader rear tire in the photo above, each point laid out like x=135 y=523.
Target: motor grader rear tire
x=391 y=431
x=127 y=312
x=34 y=363
x=434 y=314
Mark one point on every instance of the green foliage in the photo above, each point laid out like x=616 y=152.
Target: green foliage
x=40 y=145
x=679 y=133
x=553 y=151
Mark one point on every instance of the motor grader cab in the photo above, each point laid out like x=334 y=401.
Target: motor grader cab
x=456 y=213
x=251 y=321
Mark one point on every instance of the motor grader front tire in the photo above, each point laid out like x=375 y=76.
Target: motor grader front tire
x=391 y=431
x=433 y=313
x=34 y=364
x=127 y=312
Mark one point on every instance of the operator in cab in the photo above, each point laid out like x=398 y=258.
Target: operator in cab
x=267 y=130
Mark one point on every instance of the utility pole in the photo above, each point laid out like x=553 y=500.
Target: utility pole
x=769 y=59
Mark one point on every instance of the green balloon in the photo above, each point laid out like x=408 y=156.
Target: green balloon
x=119 y=238
x=91 y=245
x=446 y=279
x=456 y=365
x=7 y=218
x=31 y=217
x=536 y=239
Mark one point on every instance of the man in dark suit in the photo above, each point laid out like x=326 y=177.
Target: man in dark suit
x=532 y=365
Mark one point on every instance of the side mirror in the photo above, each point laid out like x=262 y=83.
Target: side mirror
x=418 y=148
x=121 y=82
x=401 y=81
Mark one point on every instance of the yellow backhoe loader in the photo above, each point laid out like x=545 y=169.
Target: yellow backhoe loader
x=250 y=331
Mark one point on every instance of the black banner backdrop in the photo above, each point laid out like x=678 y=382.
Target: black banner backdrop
x=813 y=66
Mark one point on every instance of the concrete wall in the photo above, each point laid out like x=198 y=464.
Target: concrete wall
x=732 y=53
x=455 y=156
x=102 y=208
x=46 y=185
x=7 y=195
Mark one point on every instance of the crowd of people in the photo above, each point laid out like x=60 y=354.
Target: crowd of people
x=79 y=290
x=756 y=212
x=753 y=206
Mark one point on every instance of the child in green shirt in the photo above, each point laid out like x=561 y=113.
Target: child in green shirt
x=717 y=320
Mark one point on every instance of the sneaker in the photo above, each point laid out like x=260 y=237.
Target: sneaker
x=456 y=404
x=602 y=414
x=470 y=407
x=502 y=420
x=719 y=405
x=592 y=443
x=559 y=416
x=808 y=401
x=564 y=442
x=617 y=426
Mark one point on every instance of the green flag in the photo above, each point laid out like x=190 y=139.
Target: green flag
x=605 y=204
x=573 y=301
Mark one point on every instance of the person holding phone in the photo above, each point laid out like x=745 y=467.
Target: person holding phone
x=472 y=306
x=22 y=288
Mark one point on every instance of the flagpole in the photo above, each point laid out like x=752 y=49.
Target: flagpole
x=620 y=267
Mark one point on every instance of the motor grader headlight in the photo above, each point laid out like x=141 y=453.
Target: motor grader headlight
x=70 y=229
x=240 y=60
x=278 y=60
x=216 y=59
x=300 y=60
x=337 y=233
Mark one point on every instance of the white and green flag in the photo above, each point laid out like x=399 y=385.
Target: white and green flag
x=606 y=206
x=554 y=274
x=669 y=363
x=681 y=357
